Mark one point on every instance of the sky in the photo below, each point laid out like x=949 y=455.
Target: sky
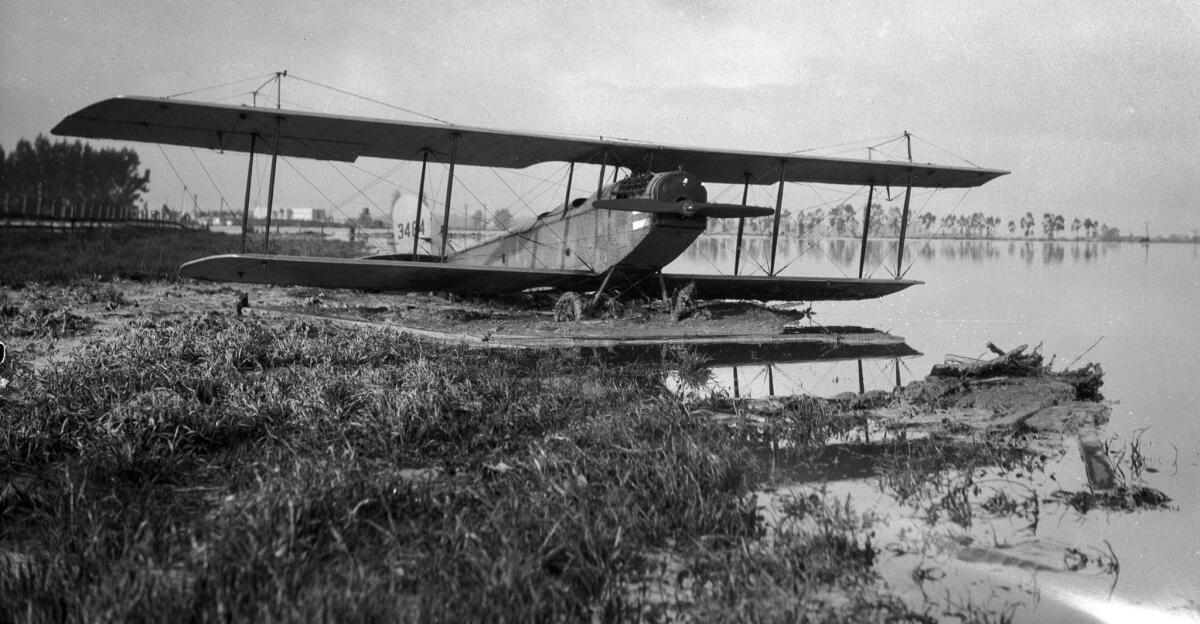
x=1093 y=106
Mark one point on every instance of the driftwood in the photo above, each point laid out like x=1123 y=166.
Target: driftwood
x=1014 y=363
x=1017 y=363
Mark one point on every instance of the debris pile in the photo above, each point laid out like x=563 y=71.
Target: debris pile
x=1014 y=363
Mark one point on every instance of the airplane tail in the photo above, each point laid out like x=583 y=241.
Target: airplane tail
x=397 y=223
x=406 y=227
x=435 y=233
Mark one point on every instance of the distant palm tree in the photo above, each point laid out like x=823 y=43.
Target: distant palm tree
x=1052 y=223
x=927 y=220
x=1027 y=224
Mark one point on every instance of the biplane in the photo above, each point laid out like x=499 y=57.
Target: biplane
x=616 y=241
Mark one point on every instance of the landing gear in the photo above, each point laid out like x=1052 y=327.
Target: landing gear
x=684 y=304
x=568 y=308
x=572 y=307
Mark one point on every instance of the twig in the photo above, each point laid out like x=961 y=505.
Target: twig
x=1084 y=353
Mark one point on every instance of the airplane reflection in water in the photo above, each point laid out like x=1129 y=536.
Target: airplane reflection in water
x=755 y=367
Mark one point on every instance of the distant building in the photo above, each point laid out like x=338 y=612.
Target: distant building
x=280 y=213
x=308 y=214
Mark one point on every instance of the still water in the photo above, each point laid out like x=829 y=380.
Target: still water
x=1133 y=308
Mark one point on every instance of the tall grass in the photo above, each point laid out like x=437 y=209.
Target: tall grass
x=224 y=469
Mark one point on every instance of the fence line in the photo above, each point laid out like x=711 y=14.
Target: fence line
x=25 y=210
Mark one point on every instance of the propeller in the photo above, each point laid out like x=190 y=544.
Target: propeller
x=684 y=208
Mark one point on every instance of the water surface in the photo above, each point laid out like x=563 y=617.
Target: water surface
x=1132 y=308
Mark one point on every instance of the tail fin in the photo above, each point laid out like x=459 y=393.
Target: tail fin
x=406 y=226
x=435 y=234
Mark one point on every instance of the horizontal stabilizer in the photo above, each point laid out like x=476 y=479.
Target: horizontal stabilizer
x=685 y=208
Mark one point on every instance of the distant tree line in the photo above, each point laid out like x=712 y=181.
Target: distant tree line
x=846 y=220
x=501 y=219
x=70 y=180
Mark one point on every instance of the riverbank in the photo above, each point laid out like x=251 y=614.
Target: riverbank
x=190 y=461
x=165 y=457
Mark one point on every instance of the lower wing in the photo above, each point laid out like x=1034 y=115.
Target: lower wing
x=403 y=275
x=368 y=274
x=764 y=288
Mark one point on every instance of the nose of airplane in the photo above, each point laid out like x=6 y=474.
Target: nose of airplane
x=678 y=186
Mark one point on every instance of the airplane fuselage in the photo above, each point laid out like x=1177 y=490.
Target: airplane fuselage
x=579 y=236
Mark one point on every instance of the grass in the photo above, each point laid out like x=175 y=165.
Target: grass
x=218 y=468
x=45 y=256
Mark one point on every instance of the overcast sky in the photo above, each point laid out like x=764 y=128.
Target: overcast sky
x=1094 y=106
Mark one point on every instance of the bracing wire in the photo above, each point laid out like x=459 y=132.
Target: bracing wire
x=858 y=143
x=372 y=100
x=929 y=241
x=219 y=86
x=224 y=202
x=172 y=165
x=946 y=151
x=894 y=245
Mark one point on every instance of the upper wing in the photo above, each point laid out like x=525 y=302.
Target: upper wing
x=330 y=137
x=779 y=288
x=390 y=275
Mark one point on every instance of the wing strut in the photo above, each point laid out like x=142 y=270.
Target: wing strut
x=246 y=204
x=778 y=212
x=566 y=235
x=570 y=180
x=271 y=189
x=449 y=189
x=420 y=202
x=737 y=251
x=600 y=181
x=862 y=253
x=903 y=228
x=904 y=215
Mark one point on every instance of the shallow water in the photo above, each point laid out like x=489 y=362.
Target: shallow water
x=1132 y=308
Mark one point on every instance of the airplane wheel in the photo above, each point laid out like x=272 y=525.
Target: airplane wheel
x=568 y=308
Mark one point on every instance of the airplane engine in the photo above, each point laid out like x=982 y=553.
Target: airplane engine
x=677 y=186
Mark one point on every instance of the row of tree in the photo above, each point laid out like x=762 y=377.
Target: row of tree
x=844 y=220
x=67 y=177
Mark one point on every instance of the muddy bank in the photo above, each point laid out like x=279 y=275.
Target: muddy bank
x=275 y=461
x=984 y=395
x=1010 y=406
